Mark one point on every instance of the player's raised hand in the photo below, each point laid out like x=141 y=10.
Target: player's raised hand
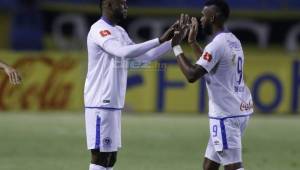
x=169 y=33
x=186 y=24
x=13 y=75
x=181 y=31
x=193 y=30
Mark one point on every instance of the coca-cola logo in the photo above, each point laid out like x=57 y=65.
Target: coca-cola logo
x=47 y=83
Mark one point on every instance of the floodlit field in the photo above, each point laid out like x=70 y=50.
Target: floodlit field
x=57 y=142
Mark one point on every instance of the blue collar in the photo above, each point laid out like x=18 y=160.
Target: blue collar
x=105 y=19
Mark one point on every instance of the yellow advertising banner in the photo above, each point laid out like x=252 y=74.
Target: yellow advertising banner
x=273 y=80
x=54 y=81
x=51 y=81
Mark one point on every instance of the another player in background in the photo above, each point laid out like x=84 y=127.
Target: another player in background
x=221 y=64
x=13 y=75
x=109 y=49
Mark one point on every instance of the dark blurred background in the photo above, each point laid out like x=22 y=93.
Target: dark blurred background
x=61 y=24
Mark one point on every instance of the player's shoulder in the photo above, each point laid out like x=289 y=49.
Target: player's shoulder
x=121 y=29
x=100 y=25
x=229 y=36
x=101 y=29
x=217 y=41
x=221 y=37
x=232 y=41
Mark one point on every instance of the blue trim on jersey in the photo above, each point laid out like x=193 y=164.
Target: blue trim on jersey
x=104 y=108
x=105 y=19
x=223 y=133
x=98 y=124
x=227 y=117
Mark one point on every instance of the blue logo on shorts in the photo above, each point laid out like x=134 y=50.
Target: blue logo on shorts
x=107 y=142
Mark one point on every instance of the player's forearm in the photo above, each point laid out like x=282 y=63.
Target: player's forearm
x=197 y=49
x=155 y=53
x=115 y=48
x=186 y=67
x=190 y=71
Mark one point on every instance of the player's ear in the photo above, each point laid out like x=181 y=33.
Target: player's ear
x=212 y=19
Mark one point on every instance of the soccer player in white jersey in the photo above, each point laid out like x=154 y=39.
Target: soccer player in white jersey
x=221 y=65
x=13 y=75
x=109 y=49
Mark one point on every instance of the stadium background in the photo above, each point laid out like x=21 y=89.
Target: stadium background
x=45 y=40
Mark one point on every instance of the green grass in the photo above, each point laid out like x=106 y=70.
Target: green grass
x=154 y=142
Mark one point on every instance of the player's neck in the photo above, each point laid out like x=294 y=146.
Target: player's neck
x=217 y=29
x=109 y=19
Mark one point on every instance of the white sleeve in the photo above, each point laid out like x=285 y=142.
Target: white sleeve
x=211 y=56
x=154 y=53
x=116 y=48
x=100 y=36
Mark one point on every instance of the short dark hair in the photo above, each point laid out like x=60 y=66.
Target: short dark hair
x=221 y=5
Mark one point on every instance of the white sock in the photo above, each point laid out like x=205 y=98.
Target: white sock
x=96 y=167
x=241 y=169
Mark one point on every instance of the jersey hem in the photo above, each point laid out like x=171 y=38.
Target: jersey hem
x=105 y=108
x=230 y=116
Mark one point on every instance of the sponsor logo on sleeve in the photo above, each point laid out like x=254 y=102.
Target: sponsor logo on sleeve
x=105 y=33
x=246 y=106
x=207 y=57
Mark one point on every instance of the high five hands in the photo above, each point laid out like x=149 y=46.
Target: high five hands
x=187 y=26
x=168 y=35
x=193 y=30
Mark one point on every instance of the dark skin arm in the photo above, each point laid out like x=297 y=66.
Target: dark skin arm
x=169 y=33
x=192 y=72
x=197 y=49
x=193 y=31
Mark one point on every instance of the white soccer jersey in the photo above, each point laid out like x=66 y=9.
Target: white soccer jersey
x=109 y=48
x=223 y=58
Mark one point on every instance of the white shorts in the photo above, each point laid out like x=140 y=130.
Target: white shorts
x=103 y=129
x=225 y=142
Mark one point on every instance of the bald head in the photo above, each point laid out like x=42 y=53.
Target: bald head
x=220 y=9
x=214 y=15
x=116 y=10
